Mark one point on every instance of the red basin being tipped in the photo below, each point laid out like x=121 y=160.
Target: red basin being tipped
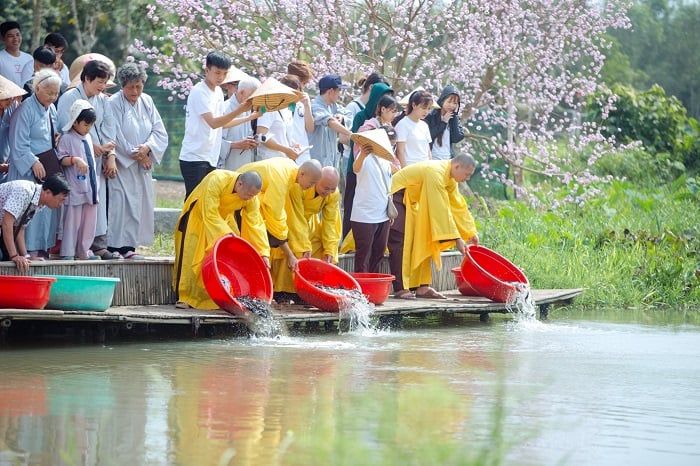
x=315 y=272
x=462 y=285
x=492 y=275
x=234 y=269
x=376 y=286
x=17 y=292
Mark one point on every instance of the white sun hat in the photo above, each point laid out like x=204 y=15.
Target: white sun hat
x=75 y=109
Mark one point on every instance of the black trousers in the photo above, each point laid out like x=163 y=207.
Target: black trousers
x=370 y=244
x=193 y=173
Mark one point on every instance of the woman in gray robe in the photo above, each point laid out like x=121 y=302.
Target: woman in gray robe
x=141 y=141
x=32 y=130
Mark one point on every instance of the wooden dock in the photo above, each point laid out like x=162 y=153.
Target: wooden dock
x=128 y=316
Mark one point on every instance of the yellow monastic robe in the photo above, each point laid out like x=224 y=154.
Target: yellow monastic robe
x=436 y=215
x=211 y=208
x=314 y=226
x=278 y=175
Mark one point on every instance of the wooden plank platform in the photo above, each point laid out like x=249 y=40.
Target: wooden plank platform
x=168 y=314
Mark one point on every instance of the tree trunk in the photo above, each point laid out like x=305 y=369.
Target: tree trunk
x=37 y=13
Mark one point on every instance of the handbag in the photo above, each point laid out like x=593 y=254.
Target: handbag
x=391 y=210
x=49 y=158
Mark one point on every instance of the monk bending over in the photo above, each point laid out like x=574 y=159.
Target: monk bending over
x=313 y=216
x=223 y=202
x=433 y=216
x=279 y=177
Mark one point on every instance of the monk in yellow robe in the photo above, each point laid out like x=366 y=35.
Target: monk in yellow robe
x=313 y=216
x=280 y=177
x=433 y=217
x=224 y=202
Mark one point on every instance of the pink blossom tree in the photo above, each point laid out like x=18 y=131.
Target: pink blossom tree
x=524 y=67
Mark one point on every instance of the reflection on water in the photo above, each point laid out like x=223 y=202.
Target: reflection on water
x=572 y=391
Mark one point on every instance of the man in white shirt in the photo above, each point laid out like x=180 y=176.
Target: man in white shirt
x=204 y=121
x=328 y=128
x=12 y=59
x=58 y=45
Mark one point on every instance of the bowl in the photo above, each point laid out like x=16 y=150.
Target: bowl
x=492 y=275
x=20 y=292
x=234 y=269
x=376 y=286
x=78 y=293
x=313 y=273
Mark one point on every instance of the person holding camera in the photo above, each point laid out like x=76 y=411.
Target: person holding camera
x=445 y=127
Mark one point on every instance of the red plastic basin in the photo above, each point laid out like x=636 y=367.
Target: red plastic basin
x=492 y=275
x=18 y=292
x=234 y=269
x=376 y=286
x=462 y=285
x=315 y=272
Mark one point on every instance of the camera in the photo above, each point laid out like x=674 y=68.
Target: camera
x=260 y=138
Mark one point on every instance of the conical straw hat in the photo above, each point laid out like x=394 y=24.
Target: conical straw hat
x=76 y=68
x=273 y=95
x=234 y=74
x=404 y=100
x=378 y=140
x=9 y=89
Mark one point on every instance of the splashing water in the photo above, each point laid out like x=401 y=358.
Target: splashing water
x=263 y=323
x=522 y=306
x=355 y=308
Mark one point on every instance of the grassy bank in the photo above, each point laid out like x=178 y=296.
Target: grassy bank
x=632 y=246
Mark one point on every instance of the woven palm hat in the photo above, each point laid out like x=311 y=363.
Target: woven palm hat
x=273 y=96
x=404 y=100
x=76 y=68
x=234 y=74
x=9 y=89
x=378 y=140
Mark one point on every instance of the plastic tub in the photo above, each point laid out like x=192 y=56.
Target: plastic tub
x=462 y=285
x=492 y=275
x=315 y=272
x=77 y=293
x=19 y=292
x=234 y=269
x=376 y=286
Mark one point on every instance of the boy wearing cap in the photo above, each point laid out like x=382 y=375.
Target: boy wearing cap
x=76 y=155
x=12 y=59
x=327 y=126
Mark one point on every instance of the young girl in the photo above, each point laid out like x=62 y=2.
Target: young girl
x=387 y=109
x=76 y=155
x=412 y=133
x=278 y=128
x=445 y=128
x=369 y=220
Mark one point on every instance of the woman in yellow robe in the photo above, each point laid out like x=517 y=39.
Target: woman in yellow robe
x=436 y=218
x=313 y=216
x=218 y=205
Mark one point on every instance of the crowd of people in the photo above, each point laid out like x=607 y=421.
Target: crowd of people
x=307 y=179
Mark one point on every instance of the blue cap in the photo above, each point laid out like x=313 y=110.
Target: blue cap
x=330 y=81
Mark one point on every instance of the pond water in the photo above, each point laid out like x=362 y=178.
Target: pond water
x=585 y=388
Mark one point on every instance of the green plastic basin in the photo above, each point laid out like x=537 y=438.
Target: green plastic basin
x=76 y=293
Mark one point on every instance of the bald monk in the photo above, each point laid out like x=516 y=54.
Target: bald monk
x=433 y=216
x=279 y=175
x=224 y=202
x=313 y=216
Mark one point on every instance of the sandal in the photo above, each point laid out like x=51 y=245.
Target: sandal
x=430 y=294
x=131 y=255
x=106 y=254
x=182 y=305
x=404 y=294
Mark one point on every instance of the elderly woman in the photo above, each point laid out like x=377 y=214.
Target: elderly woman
x=141 y=141
x=238 y=145
x=10 y=94
x=32 y=131
x=94 y=79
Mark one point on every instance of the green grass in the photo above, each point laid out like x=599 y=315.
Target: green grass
x=630 y=247
x=167 y=203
